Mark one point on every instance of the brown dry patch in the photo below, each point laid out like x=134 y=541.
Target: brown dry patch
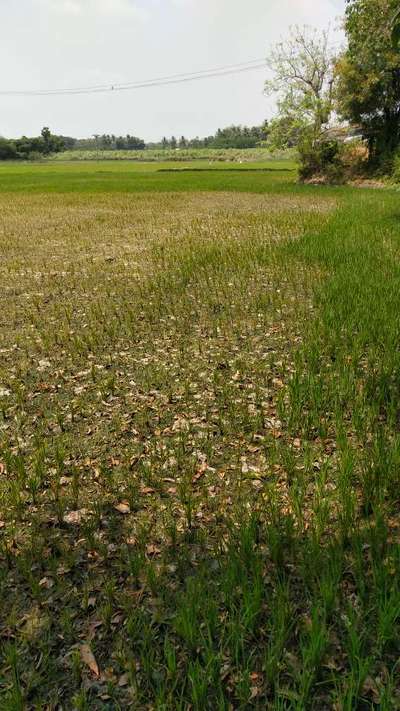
x=147 y=343
x=63 y=246
x=39 y=223
x=78 y=349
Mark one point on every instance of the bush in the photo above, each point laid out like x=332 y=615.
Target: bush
x=396 y=168
x=355 y=158
x=321 y=161
x=34 y=156
x=8 y=150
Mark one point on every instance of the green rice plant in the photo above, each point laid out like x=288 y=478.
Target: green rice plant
x=199 y=438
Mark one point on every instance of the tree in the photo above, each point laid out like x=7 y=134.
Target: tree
x=106 y=141
x=196 y=143
x=237 y=137
x=69 y=142
x=265 y=130
x=134 y=143
x=46 y=135
x=284 y=132
x=303 y=78
x=50 y=143
x=8 y=150
x=369 y=74
x=120 y=143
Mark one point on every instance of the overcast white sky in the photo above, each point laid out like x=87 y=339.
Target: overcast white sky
x=48 y=44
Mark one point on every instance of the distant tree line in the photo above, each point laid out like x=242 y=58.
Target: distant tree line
x=106 y=142
x=47 y=143
x=27 y=148
x=230 y=137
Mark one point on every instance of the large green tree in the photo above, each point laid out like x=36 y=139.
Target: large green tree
x=369 y=74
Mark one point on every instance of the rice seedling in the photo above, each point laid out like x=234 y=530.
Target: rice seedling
x=199 y=446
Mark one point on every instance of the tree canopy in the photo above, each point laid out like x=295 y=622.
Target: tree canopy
x=369 y=74
x=26 y=148
x=302 y=68
x=229 y=137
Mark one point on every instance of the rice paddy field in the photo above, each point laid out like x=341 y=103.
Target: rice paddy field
x=199 y=440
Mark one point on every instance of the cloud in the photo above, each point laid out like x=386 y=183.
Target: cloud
x=86 y=8
x=70 y=7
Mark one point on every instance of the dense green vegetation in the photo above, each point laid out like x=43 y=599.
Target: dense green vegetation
x=373 y=102
x=199 y=446
x=31 y=148
x=238 y=137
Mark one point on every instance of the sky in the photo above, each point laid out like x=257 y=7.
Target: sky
x=57 y=44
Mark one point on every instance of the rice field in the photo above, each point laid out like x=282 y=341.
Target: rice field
x=199 y=440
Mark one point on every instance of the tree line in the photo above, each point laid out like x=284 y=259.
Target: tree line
x=28 y=148
x=106 y=142
x=47 y=143
x=229 y=137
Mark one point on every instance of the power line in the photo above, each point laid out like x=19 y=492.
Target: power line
x=226 y=70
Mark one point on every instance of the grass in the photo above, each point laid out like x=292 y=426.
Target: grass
x=107 y=177
x=199 y=441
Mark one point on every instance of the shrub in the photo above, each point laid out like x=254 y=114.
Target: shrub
x=321 y=161
x=8 y=150
x=396 y=168
x=34 y=156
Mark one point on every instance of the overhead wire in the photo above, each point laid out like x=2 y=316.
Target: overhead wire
x=226 y=70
